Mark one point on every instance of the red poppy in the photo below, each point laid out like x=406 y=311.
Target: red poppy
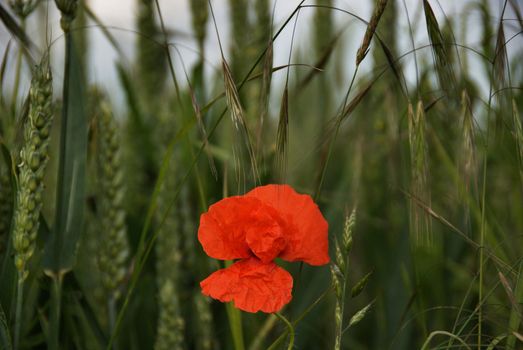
x=269 y=222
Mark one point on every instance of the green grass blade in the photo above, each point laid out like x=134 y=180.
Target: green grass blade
x=70 y=198
x=5 y=338
x=290 y=329
x=3 y=66
x=7 y=268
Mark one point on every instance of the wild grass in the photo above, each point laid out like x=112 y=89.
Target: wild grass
x=409 y=112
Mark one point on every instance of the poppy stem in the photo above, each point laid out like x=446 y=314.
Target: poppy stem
x=290 y=327
x=235 y=322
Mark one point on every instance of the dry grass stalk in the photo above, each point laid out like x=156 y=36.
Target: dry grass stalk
x=518 y=134
x=468 y=156
x=371 y=28
x=420 y=223
x=282 y=134
x=264 y=93
x=500 y=58
x=238 y=116
x=499 y=76
x=443 y=65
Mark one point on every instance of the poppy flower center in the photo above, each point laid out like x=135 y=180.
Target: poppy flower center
x=265 y=237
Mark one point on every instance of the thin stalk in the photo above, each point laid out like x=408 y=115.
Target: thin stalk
x=282 y=336
x=111 y=312
x=18 y=314
x=339 y=332
x=448 y=334
x=331 y=144
x=483 y=223
x=289 y=327
x=263 y=332
x=18 y=71
x=199 y=182
x=56 y=305
x=235 y=322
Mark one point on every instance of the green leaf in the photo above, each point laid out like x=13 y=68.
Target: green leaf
x=5 y=338
x=7 y=268
x=3 y=66
x=70 y=197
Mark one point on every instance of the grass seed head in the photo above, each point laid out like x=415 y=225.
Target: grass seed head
x=170 y=324
x=68 y=9
x=23 y=8
x=114 y=249
x=358 y=316
x=33 y=161
x=419 y=220
x=350 y=223
x=371 y=28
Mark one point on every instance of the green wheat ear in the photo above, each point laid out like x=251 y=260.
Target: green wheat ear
x=204 y=317
x=33 y=157
x=171 y=325
x=114 y=249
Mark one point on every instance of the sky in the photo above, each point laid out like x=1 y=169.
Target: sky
x=119 y=16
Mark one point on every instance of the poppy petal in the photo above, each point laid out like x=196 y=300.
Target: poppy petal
x=223 y=227
x=306 y=229
x=265 y=235
x=251 y=284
